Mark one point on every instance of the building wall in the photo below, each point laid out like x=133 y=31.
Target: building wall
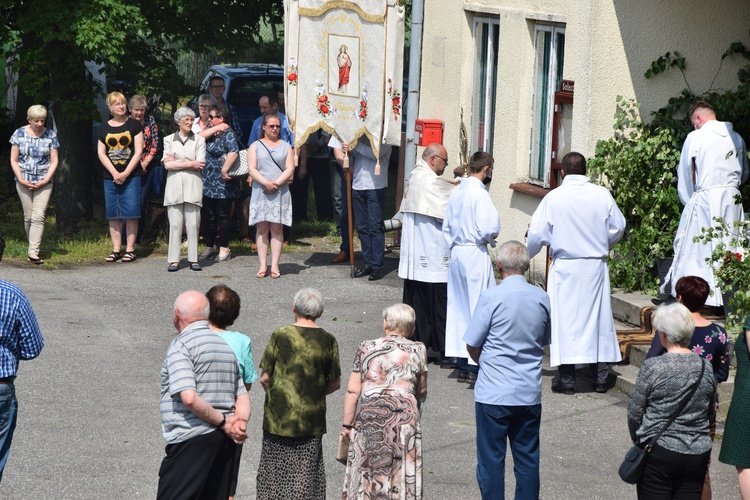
x=608 y=47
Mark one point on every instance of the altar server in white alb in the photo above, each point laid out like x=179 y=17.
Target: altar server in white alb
x=425 y=256
x=471 y=223
x=580 y=222
x=713 y=164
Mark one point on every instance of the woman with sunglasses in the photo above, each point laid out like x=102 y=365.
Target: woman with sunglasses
x=219 y=189
x=271 y=164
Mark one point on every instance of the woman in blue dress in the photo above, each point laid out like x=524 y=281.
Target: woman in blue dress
x=222 y=149
x=271 y=164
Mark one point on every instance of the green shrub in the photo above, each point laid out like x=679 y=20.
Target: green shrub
x=639 y=166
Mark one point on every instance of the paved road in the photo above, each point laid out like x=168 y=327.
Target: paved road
x=89 y=406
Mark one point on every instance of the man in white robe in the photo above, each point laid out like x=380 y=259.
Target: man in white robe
x=425 y=256
x=713 y=164
x=581 y=223
x=471 y=223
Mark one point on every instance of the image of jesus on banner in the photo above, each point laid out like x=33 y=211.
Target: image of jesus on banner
x=345 y=65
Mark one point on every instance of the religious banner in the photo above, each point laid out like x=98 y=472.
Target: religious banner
x=344 y=69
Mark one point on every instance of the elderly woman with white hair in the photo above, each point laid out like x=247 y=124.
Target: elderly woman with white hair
x=33 y=158
x=184 y=159
x=300 y=367
x=205 y=102
x=386 y=389
x=677 y=463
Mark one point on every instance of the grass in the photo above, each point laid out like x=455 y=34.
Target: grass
x=91 y=242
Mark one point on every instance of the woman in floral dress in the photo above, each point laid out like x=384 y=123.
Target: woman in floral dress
x=386 y=390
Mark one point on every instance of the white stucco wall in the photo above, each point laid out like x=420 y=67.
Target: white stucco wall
x=608 y=47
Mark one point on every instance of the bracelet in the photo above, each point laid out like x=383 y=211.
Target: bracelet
x=347 y=426
x=223 y=420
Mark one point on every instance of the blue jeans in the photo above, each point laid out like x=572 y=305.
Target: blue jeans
x=368 y=214
x=8 y=417
x=496 y=425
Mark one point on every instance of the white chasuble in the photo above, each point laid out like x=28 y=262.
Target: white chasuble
x=344 y=69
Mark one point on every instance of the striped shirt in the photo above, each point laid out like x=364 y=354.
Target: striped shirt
x=20 y=337
x=198 y=360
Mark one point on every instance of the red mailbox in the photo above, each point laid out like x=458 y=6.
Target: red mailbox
x=429 y=131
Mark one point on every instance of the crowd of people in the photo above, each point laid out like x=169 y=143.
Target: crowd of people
x=453 y=312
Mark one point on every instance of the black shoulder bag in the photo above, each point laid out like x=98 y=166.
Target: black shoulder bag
x=275 y=162
x=632 y=467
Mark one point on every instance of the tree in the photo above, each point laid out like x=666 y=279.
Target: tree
x=49 y=43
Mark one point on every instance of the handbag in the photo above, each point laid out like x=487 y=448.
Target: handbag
x=239 y=168
x=632 y=466
x=342 y=454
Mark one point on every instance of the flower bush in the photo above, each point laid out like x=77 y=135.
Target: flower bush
x=730 y=260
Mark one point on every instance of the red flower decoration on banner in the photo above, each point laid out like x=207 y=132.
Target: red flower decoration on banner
x=395 y=100
x=363 y=106
x=292 y=76
x=323 y=98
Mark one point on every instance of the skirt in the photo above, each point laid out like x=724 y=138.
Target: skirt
x=291 y=468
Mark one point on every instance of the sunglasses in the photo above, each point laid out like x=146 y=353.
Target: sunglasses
x=273 y=126
x=214 y=117
x=204 y=106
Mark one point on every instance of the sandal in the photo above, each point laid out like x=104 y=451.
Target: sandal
x=128 y=257
x=113 y=257
x=36 y=260
x=275 y=275
x=261 y=274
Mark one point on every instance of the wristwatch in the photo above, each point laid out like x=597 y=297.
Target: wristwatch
x=223 y=421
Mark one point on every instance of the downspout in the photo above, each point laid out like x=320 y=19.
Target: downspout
x=412 y=103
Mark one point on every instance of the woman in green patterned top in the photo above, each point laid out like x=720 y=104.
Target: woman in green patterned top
x=300 y=367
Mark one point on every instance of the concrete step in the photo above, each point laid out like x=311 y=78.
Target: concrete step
x=626 y=307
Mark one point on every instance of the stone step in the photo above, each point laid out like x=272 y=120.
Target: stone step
x=626 y=306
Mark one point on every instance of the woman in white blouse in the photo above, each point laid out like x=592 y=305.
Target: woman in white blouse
x=184 y=158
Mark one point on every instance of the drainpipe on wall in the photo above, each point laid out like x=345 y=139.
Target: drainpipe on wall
x=412 y=103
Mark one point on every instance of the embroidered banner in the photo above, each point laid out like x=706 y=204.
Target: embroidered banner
x=344 y=69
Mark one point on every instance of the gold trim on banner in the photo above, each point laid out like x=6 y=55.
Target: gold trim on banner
x=341 y=4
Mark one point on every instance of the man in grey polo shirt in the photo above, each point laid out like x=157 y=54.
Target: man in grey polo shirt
x=506 y=337
x=204 y=406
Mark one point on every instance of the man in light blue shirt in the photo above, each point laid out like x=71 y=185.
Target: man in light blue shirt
x=268 y=105
x=506 y=337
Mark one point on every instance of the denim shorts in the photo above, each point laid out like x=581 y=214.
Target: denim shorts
x=122 y=201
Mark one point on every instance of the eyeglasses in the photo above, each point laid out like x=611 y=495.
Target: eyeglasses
x=204 y=106
x=214 y=117
x=444 y=159
x=217 y=86
x=273 y=126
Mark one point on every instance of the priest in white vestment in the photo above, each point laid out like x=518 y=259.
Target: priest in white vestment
x=713 y=164
x=425 y=257
x=580 y=222
x=471 y=223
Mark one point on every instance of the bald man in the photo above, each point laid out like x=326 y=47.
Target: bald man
x=204 y=406
x=269 y=105
x=713 y=165
x=425 y=256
